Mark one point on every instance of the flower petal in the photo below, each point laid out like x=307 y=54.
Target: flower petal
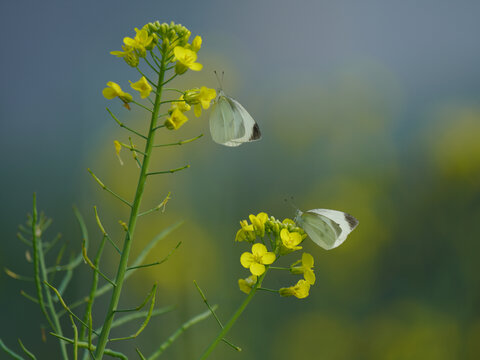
x=257 y=269
x=268 y=258
x=259 y=249
x=246 y=259
x=197 y=109
x=307 y=260
x=285 y=235
x=309 y=276
x=196 y=67
x=109 y=93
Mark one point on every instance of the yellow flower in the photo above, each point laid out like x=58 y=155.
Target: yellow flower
x=113 y=90
x=291 y=239
x=180 y=105
x=306 y=268
x=186 y=60
x=247 y=284
x=128 y=54
x=288 y=221
x=246 y=233
x=200 y=99
x=175 y=120
x=141 y=41
x=197 y=43
x=118 y=147
x=142 y=86
x=259 y=223
x=257 y=259
x=299 y=290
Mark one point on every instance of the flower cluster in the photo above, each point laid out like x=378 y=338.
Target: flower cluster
x=283 y=237
x=135 y=48
x=198 y=98
x=160 y=45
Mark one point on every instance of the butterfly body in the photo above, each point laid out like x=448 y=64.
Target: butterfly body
x=230 y=123
x=327 y=228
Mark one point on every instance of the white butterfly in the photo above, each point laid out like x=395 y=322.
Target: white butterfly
x=327 y=228
x=230 y=123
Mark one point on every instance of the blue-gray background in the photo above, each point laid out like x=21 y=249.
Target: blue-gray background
x=370 y=107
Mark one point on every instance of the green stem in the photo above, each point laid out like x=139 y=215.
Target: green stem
x=41 y=277
x=123 y=264
x=233 y=319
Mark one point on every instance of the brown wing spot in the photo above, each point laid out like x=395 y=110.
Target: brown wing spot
x=256 y=133
x=351 y=221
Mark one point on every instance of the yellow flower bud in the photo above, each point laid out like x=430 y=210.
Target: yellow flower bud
x=300 y=290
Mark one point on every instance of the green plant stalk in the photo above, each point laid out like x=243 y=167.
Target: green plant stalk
x=41 y=276
x=122 y=266
x=233 y=319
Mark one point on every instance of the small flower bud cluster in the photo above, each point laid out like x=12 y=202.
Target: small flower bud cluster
x=171 y=35
x=284 y=237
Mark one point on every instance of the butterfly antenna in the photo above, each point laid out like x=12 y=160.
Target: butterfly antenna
x=291 y=203
x=220 y=80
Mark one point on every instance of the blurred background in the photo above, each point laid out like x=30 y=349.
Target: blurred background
x=368 y=107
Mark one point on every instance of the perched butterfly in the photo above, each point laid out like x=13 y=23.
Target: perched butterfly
x=230 y=123
x=327 y=228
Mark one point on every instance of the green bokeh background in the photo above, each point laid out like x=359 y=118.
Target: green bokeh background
x=369 y=107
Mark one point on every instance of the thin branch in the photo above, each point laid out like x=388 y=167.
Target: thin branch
x=155 y=60
x=153 y=67
x=208 y=305
x=104 y=187
x=124 y=126
x=145 y=322
x=132 y=147
x=36 y=263
x=95 y=268
x=142 y=106
x=146 y=77
x=23 y=239
x=158 y=207
x=10 y=352
x=179 y=332
x=25 y=350
x=16 y=276
x=84 y=345
x=166 y=82
x=158 y=262
x=137 y=315
x=158 y=127
x=149 y=295
x=93 y=289
x=65 y=305
x=52 y=243
x=140 y=354
x=102 y=229
x=75 y=339
x=181 y=142
x=29 y=297
x=176 y=90
x=146 y=250
x=169 y=171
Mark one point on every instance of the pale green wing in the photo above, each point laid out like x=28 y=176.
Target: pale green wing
x=321 y=230
x=240 y=115
x=223 y=126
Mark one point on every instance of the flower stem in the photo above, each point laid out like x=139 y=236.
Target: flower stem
x=233 y=319
x=123 y=264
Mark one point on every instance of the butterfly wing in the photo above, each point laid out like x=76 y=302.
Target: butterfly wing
x=240 y=115
x=327 y=228
x=223 y=126
x=230 y=123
